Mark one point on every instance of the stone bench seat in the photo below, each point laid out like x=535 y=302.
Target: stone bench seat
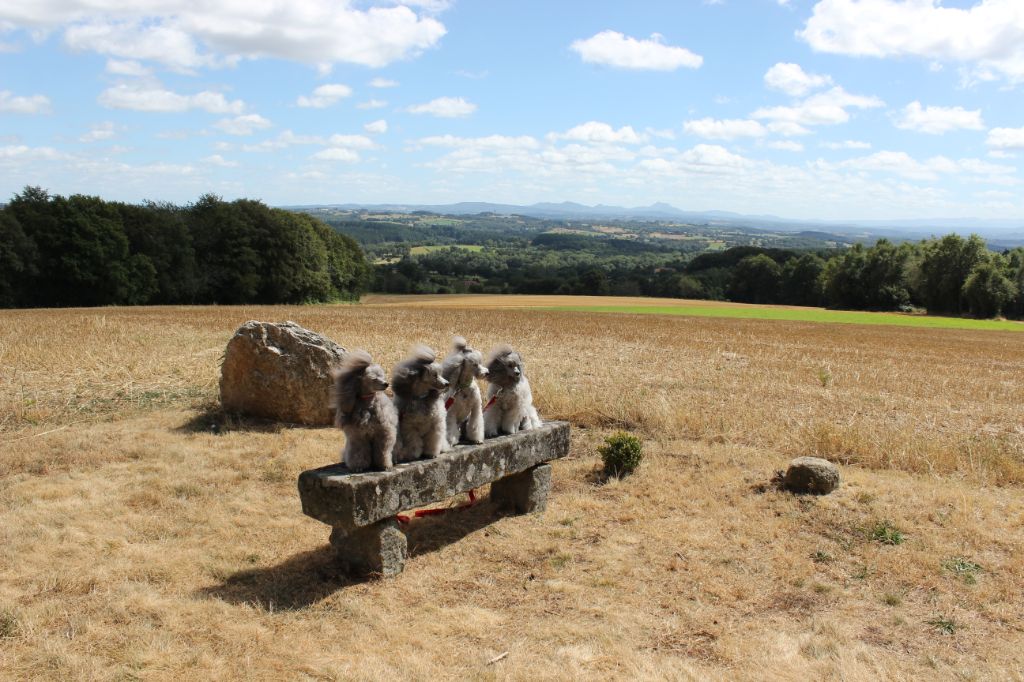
x=361 y=507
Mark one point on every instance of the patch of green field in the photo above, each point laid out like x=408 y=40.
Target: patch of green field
x=807 y=315
x=438 y=222
x=420 y=250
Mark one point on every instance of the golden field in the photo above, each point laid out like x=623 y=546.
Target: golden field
x=143 y=535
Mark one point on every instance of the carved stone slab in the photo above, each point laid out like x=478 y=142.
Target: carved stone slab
x=350 y=501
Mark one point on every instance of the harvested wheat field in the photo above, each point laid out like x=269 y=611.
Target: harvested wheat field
x=144 y=535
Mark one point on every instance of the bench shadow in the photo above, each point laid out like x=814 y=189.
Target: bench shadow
x=310 y=577
x=432 y=533
x=295 y=583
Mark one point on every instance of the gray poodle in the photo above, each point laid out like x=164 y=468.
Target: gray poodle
x=462 y=400
x=509 y=407
x=418 y=385
x=364 y=412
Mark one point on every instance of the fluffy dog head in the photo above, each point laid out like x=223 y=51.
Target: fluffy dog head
x=357 y=377
x=505 y=366
x=463 y=364
x=418 y=375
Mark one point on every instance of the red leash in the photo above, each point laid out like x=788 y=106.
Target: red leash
x=420 y=513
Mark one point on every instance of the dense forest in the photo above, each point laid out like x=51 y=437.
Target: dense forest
x=948 y=275
x=84 y=251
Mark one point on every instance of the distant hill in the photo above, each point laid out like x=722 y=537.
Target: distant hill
x=999 y=233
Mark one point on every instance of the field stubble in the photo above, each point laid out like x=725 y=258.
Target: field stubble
x=136 y=543
x=923 y=401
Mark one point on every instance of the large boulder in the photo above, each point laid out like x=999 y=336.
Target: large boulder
x=812 y=475
x=280 y=372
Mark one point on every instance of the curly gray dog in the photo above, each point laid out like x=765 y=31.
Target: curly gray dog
x=364 y=412
x=462 y=400
x=417 y=383
x=509 y=406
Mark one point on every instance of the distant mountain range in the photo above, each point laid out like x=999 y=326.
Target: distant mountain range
x=998 y=232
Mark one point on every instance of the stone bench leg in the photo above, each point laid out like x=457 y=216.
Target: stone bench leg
x=377 y=549
x=525 y=492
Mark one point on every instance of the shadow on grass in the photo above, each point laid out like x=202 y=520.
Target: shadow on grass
x=310 y=577
x=775 y=484
x=214 y=420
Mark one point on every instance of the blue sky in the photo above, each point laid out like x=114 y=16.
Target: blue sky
x=833 y=109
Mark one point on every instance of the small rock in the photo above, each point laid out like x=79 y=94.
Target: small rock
x=280 y=372
x=811 y=475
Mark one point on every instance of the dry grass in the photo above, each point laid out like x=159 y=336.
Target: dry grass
x=135 y=543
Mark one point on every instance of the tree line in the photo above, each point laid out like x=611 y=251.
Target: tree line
x=80 y=250
x=948 y=275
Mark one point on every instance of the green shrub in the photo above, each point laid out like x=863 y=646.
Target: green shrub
x=621 y=454
x=884 y=532
x=964 y=569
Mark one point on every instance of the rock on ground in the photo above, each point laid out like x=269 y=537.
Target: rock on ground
x=811 y=475
x=280 y=372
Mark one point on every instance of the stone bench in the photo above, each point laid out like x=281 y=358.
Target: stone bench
x=361 y=508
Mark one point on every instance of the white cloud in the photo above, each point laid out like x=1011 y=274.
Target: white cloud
x=788 y=128
x=383 y=83
x=702 y=159
x=134 y=40
x=337 y=154
x=351 y=141
x=724 y=129
x=488 y=142
x=793 y=80
x=23 y=152
x=445 y=107
x=615 y=49
x=121 y=67
x=712 y=157
x=242 y=125
x=1006 y=138
x=666 y=134
x=995 y=194
x=904 y=165
x=372 y=104
x=937 y=120
x=824 y=108
x=153 y=97
x=989 y=35
x=20 y=104
x=218 y=160
x=324 y=96
x=188 y=35
x=100 y=131
x=376 y=127
x=288 y=138
x=785 y=145
x=598 y=132
x=427 y=5
x=847 y=144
